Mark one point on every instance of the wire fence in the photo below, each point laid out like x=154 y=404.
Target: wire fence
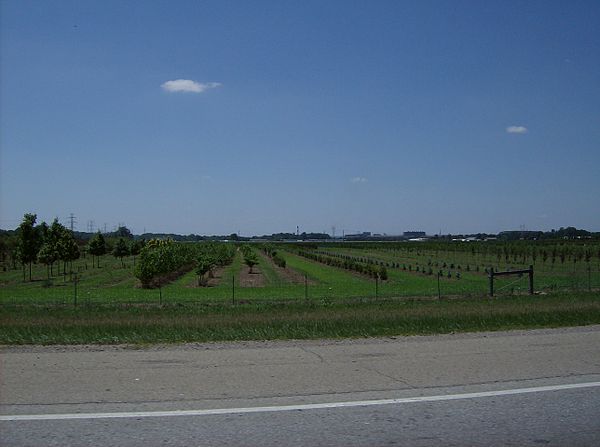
x=73 y=292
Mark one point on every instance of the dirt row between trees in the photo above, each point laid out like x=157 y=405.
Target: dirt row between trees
x=256 y=278
x=212 y=282
x=286 y=274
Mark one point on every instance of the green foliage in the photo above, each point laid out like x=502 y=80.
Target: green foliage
x=204 y=264
x=97 y=245
x=121 y=250
x=162 y=258
x=135 y=247
x=29 y=241
x=250 y=259
x=279 y=260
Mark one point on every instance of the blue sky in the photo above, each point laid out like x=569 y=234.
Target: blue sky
x=451 y=116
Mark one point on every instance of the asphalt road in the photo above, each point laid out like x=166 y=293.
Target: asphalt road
x=513 y=388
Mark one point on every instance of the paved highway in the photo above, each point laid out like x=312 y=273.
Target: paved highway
x=512 y=388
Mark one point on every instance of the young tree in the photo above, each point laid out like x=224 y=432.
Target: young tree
x=121 y=249
x=71 y=250
x=134 y=249
x=204 y=264
x=49 y=251
x=97 y=246
x=250 y=259
x=67 y=248
x=47 y=256
x=29 y=242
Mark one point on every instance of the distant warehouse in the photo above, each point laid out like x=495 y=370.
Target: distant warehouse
x=414 y=234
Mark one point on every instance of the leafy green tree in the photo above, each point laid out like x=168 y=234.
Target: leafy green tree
x=250 y=259
x=50 y=251
x=121 y=250
x=67 y=248
x=70 y=251
x=29 y=242
x=97 y=246
x=204 y=264
x=47 y=256
x=134 y=249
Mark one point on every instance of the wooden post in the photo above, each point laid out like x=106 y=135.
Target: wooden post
x=531 y=279
x=491 y=281
x=305 y=287
x=75 y=290
x=233 y=289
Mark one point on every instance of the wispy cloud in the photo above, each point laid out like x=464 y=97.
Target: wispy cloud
x=359 y=180
x=189 y=86
x=516 y=129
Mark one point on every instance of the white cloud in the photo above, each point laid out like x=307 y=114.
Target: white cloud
x=187 y=85
x=516 y=129
x=359 y=180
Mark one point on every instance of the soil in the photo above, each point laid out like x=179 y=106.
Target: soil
x=254 y=279
x=212 y=282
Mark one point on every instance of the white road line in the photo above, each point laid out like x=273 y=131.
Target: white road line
x=360 y=403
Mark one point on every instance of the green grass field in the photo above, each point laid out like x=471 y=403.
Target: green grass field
x=112 y=283
x=308 y=299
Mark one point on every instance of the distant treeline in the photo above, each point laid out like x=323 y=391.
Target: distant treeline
x=125 y=233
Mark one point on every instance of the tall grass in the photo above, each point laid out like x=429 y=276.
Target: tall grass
x=171 y=323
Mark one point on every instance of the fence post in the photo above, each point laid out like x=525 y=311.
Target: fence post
x=531 y=279
x=305 y=287
x=589 y=278
x=376 y=287
x=438 y=280
x=491 y=281
x=159 y=295
x=233 y=289
x=75 y=290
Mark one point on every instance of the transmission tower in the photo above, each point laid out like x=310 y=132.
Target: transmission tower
x=72 y=221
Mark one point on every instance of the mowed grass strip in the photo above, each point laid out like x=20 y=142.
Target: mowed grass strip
x=306 y=320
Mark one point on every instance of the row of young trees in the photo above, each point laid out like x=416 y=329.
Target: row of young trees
x=369 y=269
x=271 y=252
x=250 y=258
x=524 y=252
x=48 y=244
x=164 y=260
x=212 y=255
x=55 y=244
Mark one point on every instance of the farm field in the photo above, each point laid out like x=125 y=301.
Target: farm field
x=330 y=271
x=175 y=292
